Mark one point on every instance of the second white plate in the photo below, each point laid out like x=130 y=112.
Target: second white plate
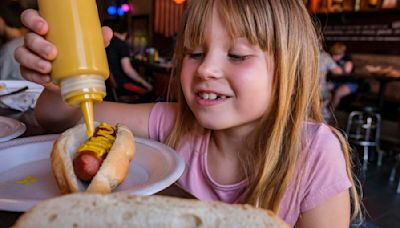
x=10 y=128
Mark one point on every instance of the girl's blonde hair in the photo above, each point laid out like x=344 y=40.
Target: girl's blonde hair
x=285 y=31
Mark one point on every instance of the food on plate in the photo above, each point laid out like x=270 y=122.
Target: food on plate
x=124 y=210
x=98 y=164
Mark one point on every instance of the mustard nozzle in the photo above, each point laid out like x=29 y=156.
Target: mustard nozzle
x=87 y=111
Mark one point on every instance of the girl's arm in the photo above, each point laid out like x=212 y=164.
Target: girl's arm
x=335 y=212
x=55 y=115
x=135 y=116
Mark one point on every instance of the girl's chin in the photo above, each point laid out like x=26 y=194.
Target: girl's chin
x=213 y=124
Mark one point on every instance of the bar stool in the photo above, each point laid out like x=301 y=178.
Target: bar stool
x=363 y=129
x=393 y=173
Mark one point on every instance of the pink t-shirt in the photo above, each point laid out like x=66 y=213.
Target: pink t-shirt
x=323 y=171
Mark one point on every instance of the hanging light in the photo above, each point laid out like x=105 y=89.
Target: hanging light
x=112 y=10
x=125 y=7
x=179 y=1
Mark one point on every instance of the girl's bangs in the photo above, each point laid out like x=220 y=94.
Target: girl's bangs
x=248 y=22
x=198 y=16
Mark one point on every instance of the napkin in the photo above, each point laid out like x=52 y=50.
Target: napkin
x=21 y=101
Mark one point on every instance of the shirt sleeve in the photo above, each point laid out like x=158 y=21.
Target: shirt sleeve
x=331 y=63
x=325 y=173
x=123 y=49
x=161 y=120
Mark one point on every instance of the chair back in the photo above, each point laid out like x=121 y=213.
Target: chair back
x=112 y=84
x=363 y=128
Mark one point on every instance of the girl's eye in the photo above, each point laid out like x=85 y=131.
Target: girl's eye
x=196 y=55
x=237 y=58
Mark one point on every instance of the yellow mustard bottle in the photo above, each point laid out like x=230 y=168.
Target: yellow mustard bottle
x=81 y=66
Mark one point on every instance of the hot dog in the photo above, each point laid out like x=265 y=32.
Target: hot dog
x=98 y=164
x=91 y=154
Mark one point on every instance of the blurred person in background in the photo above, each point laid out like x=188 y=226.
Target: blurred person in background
x=344 y=61
x=326 y=65
x=8 y=32
x=10 y=24
x=11 y=36
x=127 y=78
x=9 y=67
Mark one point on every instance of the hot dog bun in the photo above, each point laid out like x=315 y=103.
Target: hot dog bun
x=123 y=210
x=112 y=172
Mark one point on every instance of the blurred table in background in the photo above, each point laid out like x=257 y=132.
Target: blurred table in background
x=382 y=79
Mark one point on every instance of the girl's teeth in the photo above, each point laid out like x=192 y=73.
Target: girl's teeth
x=212 y=96
x=209 y=96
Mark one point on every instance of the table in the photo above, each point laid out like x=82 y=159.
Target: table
x=383 y=80
x=159 y=74
x=33 y=128
x=164 y=68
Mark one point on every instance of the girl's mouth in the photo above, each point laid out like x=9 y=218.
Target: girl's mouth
x=211 y=96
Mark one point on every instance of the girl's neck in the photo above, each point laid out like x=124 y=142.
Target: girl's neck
x=229 y=142
x=224 y=153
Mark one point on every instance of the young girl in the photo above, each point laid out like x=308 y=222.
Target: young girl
x=247 y=121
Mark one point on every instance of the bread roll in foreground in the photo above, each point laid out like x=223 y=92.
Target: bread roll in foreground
x=123 y=210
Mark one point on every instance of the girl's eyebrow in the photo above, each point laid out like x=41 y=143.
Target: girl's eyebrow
x=245 y=44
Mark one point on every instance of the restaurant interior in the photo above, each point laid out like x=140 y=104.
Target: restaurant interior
x=369 y=116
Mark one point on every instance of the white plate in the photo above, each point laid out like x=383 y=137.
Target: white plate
x=10 y=128
x=7 y=86
x=26 y=177
x=21 y=101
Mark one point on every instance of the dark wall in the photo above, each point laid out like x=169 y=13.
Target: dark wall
x=375 y=32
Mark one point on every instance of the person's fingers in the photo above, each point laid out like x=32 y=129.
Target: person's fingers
x=37 y=44
x=30 y=75
x=33 y=21
x=107 y=35
x=51 y=86
x=31 y=61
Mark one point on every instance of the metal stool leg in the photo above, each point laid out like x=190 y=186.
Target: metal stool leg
x=393 y=173
x=378 y=138
x=365 y=158
x=380 y=156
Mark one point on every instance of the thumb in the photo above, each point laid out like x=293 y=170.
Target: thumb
x=107 y=35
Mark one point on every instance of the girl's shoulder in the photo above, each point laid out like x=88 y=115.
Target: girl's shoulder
x=313 y=130
x=169 y=108
x=319 y=137
x=322 y=166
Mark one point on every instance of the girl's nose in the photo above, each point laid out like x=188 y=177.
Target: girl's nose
x=210 y=68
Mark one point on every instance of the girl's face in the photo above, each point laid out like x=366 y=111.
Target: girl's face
x=226 y=83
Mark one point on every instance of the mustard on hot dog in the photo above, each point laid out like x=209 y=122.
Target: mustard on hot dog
x=101 y=141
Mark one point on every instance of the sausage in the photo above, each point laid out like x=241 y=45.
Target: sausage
x=86 y=164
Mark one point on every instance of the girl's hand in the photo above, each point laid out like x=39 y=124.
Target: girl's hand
x=37 y=53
